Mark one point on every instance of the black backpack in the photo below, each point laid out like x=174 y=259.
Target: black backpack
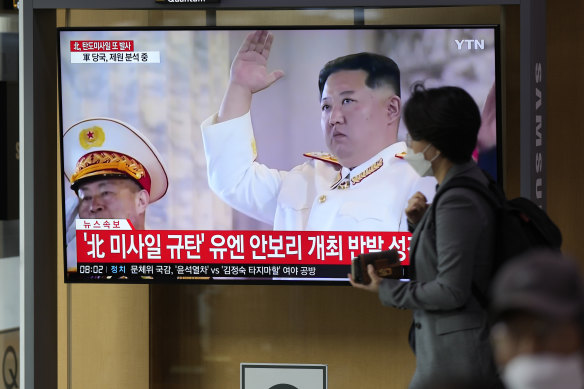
x=521 y=224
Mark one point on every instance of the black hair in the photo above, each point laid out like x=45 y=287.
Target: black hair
x=447 y=117
x=380 y=70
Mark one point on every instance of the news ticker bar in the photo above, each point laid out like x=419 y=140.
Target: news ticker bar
x=208 y=272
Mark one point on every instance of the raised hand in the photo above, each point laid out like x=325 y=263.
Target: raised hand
x=249 y=67
x=249 y=74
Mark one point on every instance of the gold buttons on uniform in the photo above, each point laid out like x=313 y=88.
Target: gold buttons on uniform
x=322 y=199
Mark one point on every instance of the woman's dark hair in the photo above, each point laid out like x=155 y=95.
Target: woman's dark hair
x=447 y=117
x=381 y=70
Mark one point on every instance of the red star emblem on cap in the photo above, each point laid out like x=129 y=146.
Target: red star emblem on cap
x=89 y=135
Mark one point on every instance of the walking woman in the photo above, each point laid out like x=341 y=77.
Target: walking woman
x=452 y=245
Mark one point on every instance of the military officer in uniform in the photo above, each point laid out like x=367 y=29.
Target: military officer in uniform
x=114 y=170
x=363 y=184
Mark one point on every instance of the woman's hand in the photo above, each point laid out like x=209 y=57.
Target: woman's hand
x=416 y=208
x=373 y=286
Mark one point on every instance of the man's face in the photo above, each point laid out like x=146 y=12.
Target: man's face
x=112 y=198
x=357 y=121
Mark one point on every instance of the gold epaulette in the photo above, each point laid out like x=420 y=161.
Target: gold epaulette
x=326 y=157
x=401 y=155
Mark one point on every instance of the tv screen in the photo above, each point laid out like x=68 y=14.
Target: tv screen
x=155 y=191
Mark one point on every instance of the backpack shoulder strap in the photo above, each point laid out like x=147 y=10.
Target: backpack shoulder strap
x=494 y=195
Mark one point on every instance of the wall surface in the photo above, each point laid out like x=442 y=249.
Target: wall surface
x=200 y=338
x=103 y=330
x=565 y=128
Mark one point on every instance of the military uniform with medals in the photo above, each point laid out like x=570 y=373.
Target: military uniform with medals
x=319 y=194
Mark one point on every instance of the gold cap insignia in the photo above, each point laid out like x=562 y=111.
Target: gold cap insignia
x=91 y=137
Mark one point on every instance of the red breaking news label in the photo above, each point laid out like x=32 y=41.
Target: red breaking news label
x=100 y=46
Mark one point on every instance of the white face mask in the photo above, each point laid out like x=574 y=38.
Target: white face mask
x=420 y=164
x=544 y=371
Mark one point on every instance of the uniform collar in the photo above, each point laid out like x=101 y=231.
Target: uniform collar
x=351 y=177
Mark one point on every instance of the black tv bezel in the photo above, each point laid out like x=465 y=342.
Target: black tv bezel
x=499 y=144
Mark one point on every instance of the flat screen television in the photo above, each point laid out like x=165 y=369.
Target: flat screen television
x=142 y=94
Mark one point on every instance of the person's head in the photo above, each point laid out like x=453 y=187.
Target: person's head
x=114 y=170
x=360 y=106
x=380 y=70
x=538 y=314
x=113 y=198
x=442 y=122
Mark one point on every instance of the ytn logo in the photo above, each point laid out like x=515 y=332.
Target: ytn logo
x=470 y=44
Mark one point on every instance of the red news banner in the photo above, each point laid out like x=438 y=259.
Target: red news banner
x=115 y=241
x=110 y=52
x=111 y=249
x=100 y=45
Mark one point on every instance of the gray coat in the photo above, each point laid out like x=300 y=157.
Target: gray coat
x=448 y=253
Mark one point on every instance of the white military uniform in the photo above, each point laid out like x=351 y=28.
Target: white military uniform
x=319 y=194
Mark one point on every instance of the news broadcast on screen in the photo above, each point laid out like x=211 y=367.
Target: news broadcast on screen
x=155 y=190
